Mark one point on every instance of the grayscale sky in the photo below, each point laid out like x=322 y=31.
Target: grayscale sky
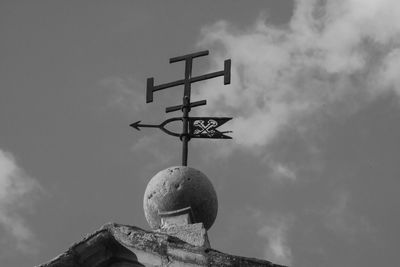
x=312 y=176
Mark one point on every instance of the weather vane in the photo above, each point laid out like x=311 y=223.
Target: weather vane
x=193 y=127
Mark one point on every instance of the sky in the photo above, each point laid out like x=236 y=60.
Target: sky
x=311 y=176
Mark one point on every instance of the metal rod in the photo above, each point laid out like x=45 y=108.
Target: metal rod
x=185 y=130
x=151 y=88
x=186 y=110
x=207 y=76
x=188 y=56
x=167 y=85
x=192 y=105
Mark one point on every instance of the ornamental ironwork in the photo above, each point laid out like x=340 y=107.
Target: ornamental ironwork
x=192 y=127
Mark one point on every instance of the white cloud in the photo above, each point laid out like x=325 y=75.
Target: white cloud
x=342 y=220
x=267 y=233
x=276 y=248
x=16 y=192
x=331 y=58
x=124 y=93
x=390 y=71
x=282 y=172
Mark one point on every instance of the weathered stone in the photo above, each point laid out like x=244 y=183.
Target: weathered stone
x=194 y=234
x=180 y=187
x=177 y=217
x=120 y=245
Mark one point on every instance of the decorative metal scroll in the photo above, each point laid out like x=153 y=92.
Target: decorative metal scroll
x=192 y=127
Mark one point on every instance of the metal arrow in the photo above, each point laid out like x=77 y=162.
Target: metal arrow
x=137 y=125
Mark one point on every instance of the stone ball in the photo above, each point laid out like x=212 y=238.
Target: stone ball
x=176 y=188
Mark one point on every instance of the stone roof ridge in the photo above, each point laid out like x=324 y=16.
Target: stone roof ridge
x=113 y=242
x=67 y=255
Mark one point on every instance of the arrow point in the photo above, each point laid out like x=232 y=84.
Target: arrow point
x=135 y=125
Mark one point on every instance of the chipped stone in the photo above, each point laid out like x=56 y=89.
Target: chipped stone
x=116 y=245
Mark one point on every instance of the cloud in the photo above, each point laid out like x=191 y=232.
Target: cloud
x=275 y=232
x=330 y=59
x=282 y=172
x=124 y=93
x=343 y=221
x=263 y=234
x=16 y=193
x=390 y=71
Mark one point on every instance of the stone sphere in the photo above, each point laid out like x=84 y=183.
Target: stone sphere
x=179 y=187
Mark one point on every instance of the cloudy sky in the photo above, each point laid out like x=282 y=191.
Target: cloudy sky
x=311 y=177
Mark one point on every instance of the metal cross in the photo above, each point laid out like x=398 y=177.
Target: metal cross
x=192 y=127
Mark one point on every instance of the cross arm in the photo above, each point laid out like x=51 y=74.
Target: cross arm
x=192 y=105
x=226 y=73
x=189 y=56
x=151 y=88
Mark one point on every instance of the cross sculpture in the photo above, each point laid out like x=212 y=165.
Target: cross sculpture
x=193 y=127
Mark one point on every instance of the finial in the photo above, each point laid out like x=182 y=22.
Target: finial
x=192 y=127
x=178 y=191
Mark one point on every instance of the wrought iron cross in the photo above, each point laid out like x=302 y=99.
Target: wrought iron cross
x=193 y=127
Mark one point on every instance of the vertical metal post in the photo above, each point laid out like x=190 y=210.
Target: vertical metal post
x=186 y=109
x=185 y=132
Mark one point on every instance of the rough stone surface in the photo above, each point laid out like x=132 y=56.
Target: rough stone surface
x=194 y=234
x=179 y=187
x=121 y=245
